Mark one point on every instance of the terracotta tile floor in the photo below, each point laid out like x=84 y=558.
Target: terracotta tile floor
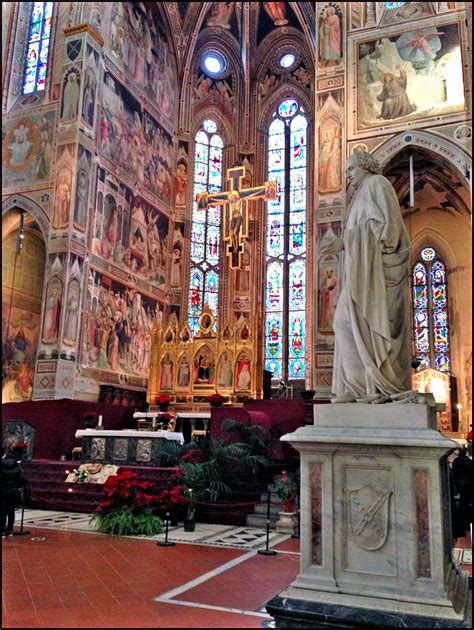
x=54 y=578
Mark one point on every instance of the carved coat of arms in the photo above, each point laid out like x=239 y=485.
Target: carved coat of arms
x=369 y=516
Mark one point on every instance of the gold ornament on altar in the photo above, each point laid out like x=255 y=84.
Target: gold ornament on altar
x=214 y=360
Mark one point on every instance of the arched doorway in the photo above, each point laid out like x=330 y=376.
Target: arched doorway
x=441 y=219
x=23 y=266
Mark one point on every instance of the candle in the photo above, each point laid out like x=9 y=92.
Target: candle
x=100 y=421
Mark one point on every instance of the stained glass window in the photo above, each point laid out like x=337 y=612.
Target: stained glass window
x=37 y=53
x=285 y=291
x=205 y=231
x=430 y=311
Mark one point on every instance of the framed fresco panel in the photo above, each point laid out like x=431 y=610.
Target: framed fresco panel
x=407 y=77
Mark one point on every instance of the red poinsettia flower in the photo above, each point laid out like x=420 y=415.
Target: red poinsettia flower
x=162 y=399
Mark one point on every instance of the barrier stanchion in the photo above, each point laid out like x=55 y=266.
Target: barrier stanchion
x=267 y=551
x=22 y=532
x=166 y=542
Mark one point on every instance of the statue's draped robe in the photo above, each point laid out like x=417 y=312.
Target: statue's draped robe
x=371 y=323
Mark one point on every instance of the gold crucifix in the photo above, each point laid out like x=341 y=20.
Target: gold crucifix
x=236 y=219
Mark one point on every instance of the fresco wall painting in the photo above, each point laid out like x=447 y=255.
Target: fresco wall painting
x=134 y=141
x=27 y=150
x=139 y=45
x=118 y=322
x=410 y=76
x=129 y=232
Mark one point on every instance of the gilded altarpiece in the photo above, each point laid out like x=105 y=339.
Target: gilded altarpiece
x=190 y=368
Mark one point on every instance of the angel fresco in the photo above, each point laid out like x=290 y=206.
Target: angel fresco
x=420 y=48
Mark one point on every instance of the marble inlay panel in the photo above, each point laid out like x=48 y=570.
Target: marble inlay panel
x=423 y=556
x=98 y=448
x=121 y=448
x=317 y=514
x=143 y=450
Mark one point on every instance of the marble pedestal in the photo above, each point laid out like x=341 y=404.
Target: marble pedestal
x=375 y=524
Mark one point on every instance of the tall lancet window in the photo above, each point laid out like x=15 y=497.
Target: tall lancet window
x=36 y=65
x=206 y=230
x=430 y=310
x=285 y=291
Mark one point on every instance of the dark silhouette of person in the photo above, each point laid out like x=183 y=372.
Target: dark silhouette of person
x=462 y=474
x=11 y=480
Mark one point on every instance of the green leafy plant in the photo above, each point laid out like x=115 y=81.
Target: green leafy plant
x=129 y=523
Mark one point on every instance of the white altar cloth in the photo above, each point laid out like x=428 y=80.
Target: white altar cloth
x=130 y=433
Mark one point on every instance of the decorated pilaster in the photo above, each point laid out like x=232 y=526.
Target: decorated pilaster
x=62 y=319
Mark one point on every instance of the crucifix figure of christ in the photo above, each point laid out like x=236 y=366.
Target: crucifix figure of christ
x=236 y=219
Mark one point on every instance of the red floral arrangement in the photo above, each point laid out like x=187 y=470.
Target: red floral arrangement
x=216 y=399
x=89 y=414
x=168 y=420
x=19 y=446
x=125 y=490
x=162 y=399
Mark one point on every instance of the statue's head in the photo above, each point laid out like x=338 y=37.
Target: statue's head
x=359 y=165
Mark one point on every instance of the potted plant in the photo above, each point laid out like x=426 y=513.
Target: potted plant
x=163 y=401
x=131 y=507
x=287 y=488
x=216 y=400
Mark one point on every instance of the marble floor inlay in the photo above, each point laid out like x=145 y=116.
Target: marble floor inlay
x=236 y=537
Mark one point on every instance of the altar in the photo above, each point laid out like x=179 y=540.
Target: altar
x=124 y=447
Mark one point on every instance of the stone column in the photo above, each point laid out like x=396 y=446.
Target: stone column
x=375 y=524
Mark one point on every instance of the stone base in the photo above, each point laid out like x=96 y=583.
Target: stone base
x=289 y=612
x=375 y=522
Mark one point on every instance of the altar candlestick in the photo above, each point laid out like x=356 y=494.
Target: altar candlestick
x=412 y=184
x=99 y=424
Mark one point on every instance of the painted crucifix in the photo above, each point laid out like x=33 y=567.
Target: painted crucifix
x=236 y=218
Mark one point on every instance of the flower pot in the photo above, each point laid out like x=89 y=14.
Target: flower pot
x=189 y=524
x=287 y=523
x=289 y=505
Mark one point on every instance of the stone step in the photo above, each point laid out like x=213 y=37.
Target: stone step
x=261 y=508
x=258 y=520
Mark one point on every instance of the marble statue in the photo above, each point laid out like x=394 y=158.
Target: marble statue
x=371 y=323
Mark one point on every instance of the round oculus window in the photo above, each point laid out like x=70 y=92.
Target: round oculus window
x=214 y=63
x=287 y=60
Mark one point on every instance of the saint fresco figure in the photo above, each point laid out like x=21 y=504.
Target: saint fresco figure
x=330 y=38
x=184 y=373
x=329 y=160
x=328 y=299
x=371 y=322
x=220 y=14
x=225 y=374
x=70 y=97
x=243 y=377
x=166 y=376
x=52 y=313
x=276 y=10
x=72 y=314
x=62 y=199
x=394 y=97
